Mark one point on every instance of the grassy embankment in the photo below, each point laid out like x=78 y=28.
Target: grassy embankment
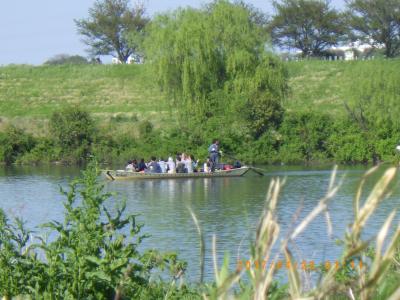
x=29 y=95
x=324 y=86
x=113 y=94
x=315 y=128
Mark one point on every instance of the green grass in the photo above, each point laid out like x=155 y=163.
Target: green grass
x=29 y=94
x=324 y=86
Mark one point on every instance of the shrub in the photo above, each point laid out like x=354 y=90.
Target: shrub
x=74 y=131
x=304 y=136
x=145 y=128
x=14 y=143
x=45 y=150
x=94 y=252
x=63 y=59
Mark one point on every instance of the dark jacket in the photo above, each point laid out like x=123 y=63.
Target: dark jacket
x=180 y=168
x=141 y=166
x=154 y=167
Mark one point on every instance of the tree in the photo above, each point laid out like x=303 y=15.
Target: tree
x=376 y=22
x=109 y=27
x=213 y=61
x=308 y=25
x=64 y=59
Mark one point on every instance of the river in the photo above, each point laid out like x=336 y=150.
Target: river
x=227 y=207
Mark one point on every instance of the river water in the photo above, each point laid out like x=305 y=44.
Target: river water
x=227 y=207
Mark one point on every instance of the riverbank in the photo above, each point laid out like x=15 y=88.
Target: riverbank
x=336 y=111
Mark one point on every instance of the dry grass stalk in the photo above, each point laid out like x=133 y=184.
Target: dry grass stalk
x=202 y=243
x=356 y=201
x=322 y=206
x=376 y=196
x=224 y=280
x=395 y=295
x=266 y=236
x=366 y=280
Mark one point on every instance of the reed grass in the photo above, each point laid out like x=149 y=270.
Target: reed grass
x=362 y=283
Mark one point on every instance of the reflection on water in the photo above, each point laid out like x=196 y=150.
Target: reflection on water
x=227 y=207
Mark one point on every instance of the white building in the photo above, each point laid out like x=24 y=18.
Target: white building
x=352 y=49
x=132 y=59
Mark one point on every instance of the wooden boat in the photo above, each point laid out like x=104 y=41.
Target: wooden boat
x=129 y=175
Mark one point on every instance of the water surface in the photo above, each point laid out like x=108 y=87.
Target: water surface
x=227 y=207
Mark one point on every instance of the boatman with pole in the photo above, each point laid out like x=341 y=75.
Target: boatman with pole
x=214 y=152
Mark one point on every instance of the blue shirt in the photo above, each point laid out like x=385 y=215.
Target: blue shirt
x=213 y=148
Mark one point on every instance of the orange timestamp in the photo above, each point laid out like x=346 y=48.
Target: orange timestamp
x=303 y=265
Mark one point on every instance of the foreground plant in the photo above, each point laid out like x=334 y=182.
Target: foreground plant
x=354 y=281
x=92 y=254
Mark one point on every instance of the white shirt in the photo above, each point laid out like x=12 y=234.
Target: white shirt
x=188 y=165
x=171 y=166
x=163 y=166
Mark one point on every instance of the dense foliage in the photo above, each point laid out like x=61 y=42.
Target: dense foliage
x=93 y=253
x=376 y=22
x=73 y=131
x=212 y=62
x=311 y=26
x=314 y=126
x=300 y=138
x=62 y=59
x=110 y=26
x=14 y=143
x=308 y=25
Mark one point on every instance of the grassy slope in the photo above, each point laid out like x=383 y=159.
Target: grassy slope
x=324 y=86
x=28 y=95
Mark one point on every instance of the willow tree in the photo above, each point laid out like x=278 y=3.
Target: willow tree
x=213 y=61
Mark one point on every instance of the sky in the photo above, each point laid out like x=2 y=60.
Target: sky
x=33 y=31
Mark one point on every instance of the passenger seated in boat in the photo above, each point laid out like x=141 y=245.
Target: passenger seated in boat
x=178 y=155
x=188 y=164
x=207 y=168
x=163 y=165
x=129 y=166
x=237 y=164
x=180 y=166
x=171 y=166
x=153 y=166
x=135 y=165
x=195 y=163
x=141 y=166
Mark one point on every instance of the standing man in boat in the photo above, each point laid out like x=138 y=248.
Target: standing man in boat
x=214 y=152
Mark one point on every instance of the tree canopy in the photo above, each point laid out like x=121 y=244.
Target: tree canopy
x=62 y=59
x=308 y=25
x=376 y=22
x=214 y=59
x=112 y=28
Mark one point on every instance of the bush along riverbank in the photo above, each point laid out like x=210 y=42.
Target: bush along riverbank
x=93 y=254
x=300 y=138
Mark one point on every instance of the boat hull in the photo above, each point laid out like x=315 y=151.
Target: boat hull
x=127 y=175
